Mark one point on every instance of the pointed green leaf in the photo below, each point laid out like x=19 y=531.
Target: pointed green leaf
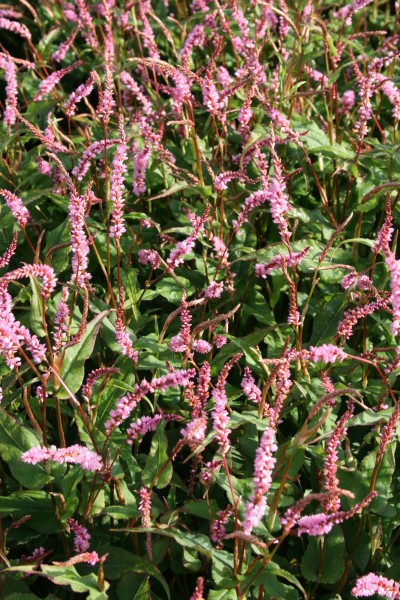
x=158 y=469
x=75 y=357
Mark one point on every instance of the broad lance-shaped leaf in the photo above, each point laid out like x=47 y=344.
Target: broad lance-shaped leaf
x=194 y=541
x=78 y=583
x=74 y=360
x=331 y=568
x=158 y=469
x=36 y=309
x=37 y=504
x=120 y=561
x=14 y=440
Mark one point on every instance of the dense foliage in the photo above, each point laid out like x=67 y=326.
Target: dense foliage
x=199 y=299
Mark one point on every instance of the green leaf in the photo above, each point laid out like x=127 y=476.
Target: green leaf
x=120 y=561
x=324 y=329
x=176 y=187
x=37 y=504
x=14 y=440
x=222 y=595
x=194 y=541
x=121 y=512
x=323 y=560
x=158 y=469
x=222 y=569
x=78 y=583
x=36 y=309
x=74 y=359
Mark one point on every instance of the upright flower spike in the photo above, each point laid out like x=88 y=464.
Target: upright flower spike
x=217 y=528
x=145 y=510
x=121 y=332
x=10 y=113
x=331 y=462
x=141 y=159
x=9 y=253
x=181 y=341
x=61 y=320
x=82 y=91
x=86 y=24
x=199 y=590
x=79 y=243
x=249 y=387
x=382 y=242
x=63 y=48
x=277 y=197
x=117 y=184
x=81 y=536
x=187 y=245
x=263 y=468
x=107 y=101
x=16 y=206
x=220 y=414
x=13 y=335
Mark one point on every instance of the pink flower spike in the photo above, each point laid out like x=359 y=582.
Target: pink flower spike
x=263 y=468
x=187 y=245
x=15 y=27
x=249 y=387
x=10 y=113
x=81 y=92
x=199 y=590
x=201 y=346
x=117 y=185
x=90 y=558
x=142 y=426
x=76 y=454
x=315 y=525
x=195 y=432
x=327 y=353
x=17 y=208
x=45 y=273
x=5 y=259
x=81 y=536
x=145 y=509
x=220 y=415
x=372 y=584
x=127 y=403
x=48 y=84
x=63 y=48
x=214 y=290
x=149 y=257
x=220 y=340
x=141 y=160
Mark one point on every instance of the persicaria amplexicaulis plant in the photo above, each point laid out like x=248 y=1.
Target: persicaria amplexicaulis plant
x=199 y=299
